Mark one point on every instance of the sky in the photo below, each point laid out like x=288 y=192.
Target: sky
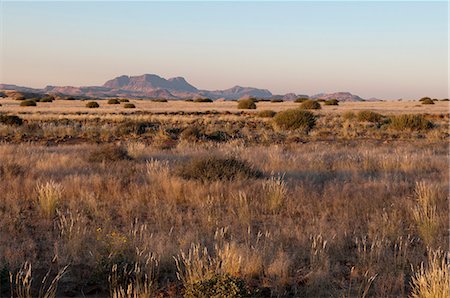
x=385 y=49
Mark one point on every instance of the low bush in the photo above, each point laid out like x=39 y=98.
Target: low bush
x=266 y=114
x=132 y=127
x=217 y=168
x=11 y=120
x=301 y=99
x=294 y=119
x=331 y=102
x=276 y=100
x=310 y=105
x=191 y=133
x=445 y=99
x=189 y=100
x=246 y=104
x=92 y=105
x=410 y=122
x=368 y=116
x=108 y=153
x=123 y=100
x=159 y=100
x=220 y=285
x=349 y=115
x=113 y=101
x=129 y=106
x=47 y=99
x=203 y=100
x=428 y=101
x=28 y=103
x=424 y=98
x=218 y=136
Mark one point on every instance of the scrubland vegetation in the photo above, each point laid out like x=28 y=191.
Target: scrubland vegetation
x=287 y=204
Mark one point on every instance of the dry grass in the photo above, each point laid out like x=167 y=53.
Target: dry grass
x=334 y=214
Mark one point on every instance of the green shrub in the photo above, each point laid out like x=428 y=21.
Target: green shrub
x=108 y=153
x=301 y=99
x=113 y=101
x=310 y=105
x=123 y=100
x=217 y=168
x=28 y=103
x=368 y=116
x=276 y=100
x=129 y=106
x=92 y=105
x=332 y=102
x=159 y=100
x=11 y=120
x=219 y=286
x=203 y=100
x=266 y=114
x=410 y=122
x=294 y=119
x=428 y=101
x=246 y=104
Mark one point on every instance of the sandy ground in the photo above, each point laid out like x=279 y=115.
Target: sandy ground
x=66 y=106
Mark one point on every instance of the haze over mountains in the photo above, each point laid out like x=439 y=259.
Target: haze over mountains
x=154 y=86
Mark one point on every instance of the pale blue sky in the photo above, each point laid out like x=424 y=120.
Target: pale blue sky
x=373 y=49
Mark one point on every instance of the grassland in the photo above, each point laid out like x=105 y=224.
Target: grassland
x=125 y=199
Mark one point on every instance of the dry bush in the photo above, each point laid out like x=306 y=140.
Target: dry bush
x=123 y=100
x=203 y=100
x=427 y=101
x=425 y=213
x=310 y=105
x=368 y=116
x=28 y=103
x=410 y=122
x=49 y=197
x=11 y=120
x=266 y=114
x=129 y=106
x=331 y=102
x=92 y=105
x=246 y=104
x=159 y=100
x=113 y=101
x=191 y=133
x=108 y=153
x=295 y=119
x=276 y=190
x=301 y=99
x=217 y=168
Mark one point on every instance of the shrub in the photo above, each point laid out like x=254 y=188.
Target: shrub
x=113 y=101
x=220 y=285
x=445 y=99
x=295 y=119
x=109 y=153
x=332 y=102
x=11 y=120
x=368 y=116
x=301 y=99
x=203 y=100
x=191 y=133
x=428 y=101
x=310 y=105
x=47 y=99
x=92 y=105
x=132 y=127
x=189 y=100
x=28 y=103
x=159 y=100
x=266 y=114
x=276 y=100
x=246 y=104
x=129 y=106
x=123 y=100
x=411 y=122
x=218 y=136
x=424 y=98
x=217 y=168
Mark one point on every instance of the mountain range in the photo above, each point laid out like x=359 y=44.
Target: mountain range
x=154 y=86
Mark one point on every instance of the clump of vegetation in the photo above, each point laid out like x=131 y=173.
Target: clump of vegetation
x=49 y=197
x=368 y=116
x=203 y=100
x=410 y=122
x=310 y=105
x=349 y=115
x=220 y=285
x=191 y=133
x=92 y=105
x=266 y=114
x=218 y=136
x=123 y=100
x=159 y=100
x=109 y=153
x=113 y=101
x=294 y=119
x=445 y=99
x=11 y=120
x=189 y=100
x=28 y=103
x=424 y=98
x=301 y=99
x=427 y=101
x=132 y=127
x=331 y=102
x=46 y=99
x=214 y=168
x=246 y=104
x=129 y=106
x=276 y=100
